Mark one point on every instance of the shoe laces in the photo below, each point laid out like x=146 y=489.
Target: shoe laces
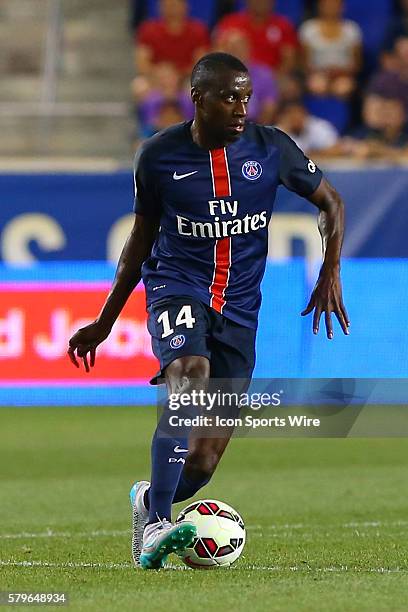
x=152 y=529
x=164 y=523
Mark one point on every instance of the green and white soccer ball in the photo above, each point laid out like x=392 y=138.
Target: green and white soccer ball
x=220 y=534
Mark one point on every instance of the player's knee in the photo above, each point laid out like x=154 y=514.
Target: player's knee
x=189 y=372
x=200 y=466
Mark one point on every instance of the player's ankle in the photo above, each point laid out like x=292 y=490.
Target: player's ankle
x=146 y=499
x=157 y=522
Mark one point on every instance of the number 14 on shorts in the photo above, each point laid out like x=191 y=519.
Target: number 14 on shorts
x=184 y=317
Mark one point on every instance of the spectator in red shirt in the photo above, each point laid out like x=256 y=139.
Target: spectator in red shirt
x=273 y=38
x=173 y=38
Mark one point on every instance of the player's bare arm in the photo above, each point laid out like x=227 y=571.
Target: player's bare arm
x=327 y=294
x=136 y=250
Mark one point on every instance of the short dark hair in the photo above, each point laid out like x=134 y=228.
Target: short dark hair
x=214 y=63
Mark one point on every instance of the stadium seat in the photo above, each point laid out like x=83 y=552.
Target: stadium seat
x=332 y=109
x=292 y=9
x=205 y=9
x=373 y=21
x=199 y=9
x=152 y=8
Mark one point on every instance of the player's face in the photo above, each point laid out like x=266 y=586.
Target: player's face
x=224 y=106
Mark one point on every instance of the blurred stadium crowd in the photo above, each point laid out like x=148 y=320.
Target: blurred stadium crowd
x=331 y=73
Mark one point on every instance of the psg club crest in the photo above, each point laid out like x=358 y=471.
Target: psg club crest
x=252 y=170
x=177 y=342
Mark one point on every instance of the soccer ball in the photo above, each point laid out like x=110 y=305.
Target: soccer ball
x=220 y=534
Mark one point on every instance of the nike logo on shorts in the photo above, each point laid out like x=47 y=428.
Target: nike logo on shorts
x=177 y=449
x=178 y=177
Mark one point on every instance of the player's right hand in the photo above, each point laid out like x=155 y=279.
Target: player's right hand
x=85 y=341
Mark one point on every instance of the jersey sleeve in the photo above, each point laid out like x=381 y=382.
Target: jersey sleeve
x=147 y=201
x=296 y=171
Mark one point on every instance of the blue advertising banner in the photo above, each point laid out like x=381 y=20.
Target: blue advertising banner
x=375 y=200
x=40 y=304
x=71 y=216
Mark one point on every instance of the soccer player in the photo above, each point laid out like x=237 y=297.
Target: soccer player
x=204 y=196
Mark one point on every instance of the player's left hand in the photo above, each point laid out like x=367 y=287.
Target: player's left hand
x=85 y=341
x=327 y=297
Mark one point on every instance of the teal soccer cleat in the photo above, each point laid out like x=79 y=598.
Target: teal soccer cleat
x=140 y=516
x=162 y=538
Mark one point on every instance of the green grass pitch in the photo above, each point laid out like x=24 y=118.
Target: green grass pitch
x=327 y=519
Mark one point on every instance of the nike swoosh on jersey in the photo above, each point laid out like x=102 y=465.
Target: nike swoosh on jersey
x=178 y=177
x=177 y=449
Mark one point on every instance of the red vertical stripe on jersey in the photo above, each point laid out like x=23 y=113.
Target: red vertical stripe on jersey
x=222 y=263
x=220 y=173
x=222 y=249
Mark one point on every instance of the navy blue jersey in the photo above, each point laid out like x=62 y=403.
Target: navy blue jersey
x=214 y=208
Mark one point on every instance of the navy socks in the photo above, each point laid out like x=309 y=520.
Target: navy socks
x=187 y=488
x=169 y=481
x=168 y=458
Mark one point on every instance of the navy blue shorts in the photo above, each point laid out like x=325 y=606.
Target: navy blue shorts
x=183 y=326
